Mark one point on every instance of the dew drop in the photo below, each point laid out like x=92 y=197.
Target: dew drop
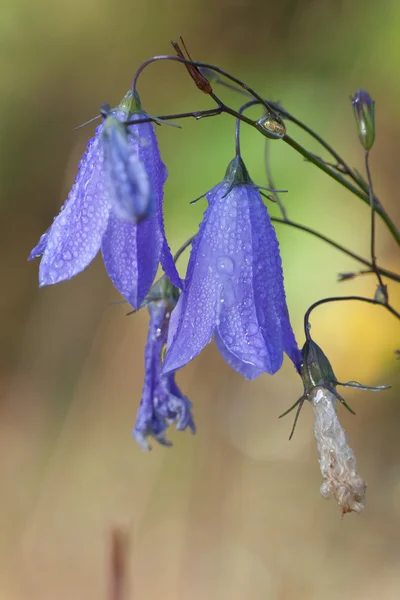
x=253 y=328
x=229 y=295
x=247 y=247
x=225 y=265
x=67 y=255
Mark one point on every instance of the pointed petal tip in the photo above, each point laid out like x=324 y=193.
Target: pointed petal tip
x=173 y=363
x=141 y=440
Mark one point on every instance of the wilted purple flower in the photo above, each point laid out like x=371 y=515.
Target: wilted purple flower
x=234 y=285
x=120 y=175
x=336 y=459
x=162 y=401
x=364 y=112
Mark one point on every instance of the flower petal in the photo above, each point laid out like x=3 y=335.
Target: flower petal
x=145 y=141
x=248 y=325
x=162 y=402
x=172 y=404
x=148 y=422
x=131 y=254
x=40 y=247
x=269 y=288
x=75 y=236
x=248 y=370
x=197 y=306
x=131 y=194
x=290 y=346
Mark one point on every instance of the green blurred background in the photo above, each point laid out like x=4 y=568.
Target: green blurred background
x=233 y=512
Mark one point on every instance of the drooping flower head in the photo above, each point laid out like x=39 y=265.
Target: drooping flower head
x=234 y=285
x=162 y=402
x=115 y=204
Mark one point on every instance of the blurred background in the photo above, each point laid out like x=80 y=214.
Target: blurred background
x=234 y=511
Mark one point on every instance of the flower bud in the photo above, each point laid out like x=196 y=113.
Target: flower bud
x=381 y=294
x=364 y=112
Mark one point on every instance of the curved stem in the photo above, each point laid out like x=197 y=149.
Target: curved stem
x=335 y=175
x=307 y=325
x=271 y=184
x=237 y=128
x=284 y=113
x=182 y=249
x=204 y=66
x=198 y=114
x=309 y=156
x=373 y=210
x=324 y=238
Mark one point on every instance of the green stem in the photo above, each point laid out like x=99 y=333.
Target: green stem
x=373 y=211
x=324 y=238
x=339 y=178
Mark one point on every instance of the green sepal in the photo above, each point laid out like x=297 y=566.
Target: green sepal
x=163 y=289
x=130 y=104
x=236 y=174
x=316 y=368
x=360 y=386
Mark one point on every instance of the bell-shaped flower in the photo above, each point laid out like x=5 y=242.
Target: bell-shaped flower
x=115 y=204
x=162 y=402
x=234 y=285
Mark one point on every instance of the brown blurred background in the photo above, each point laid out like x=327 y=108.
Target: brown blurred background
x=233 y=512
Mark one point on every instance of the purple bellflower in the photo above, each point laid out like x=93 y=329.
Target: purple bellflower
x=234 y=285
x=162 y=401
x=115 y=204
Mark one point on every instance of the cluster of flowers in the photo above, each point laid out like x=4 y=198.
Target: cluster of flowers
x=233 y=289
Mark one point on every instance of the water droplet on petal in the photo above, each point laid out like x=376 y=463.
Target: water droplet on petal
x=225 y=265
x=67 y=255
x=229 y=295
x=253 y=328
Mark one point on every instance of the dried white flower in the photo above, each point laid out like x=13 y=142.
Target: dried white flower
x=336 y=459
